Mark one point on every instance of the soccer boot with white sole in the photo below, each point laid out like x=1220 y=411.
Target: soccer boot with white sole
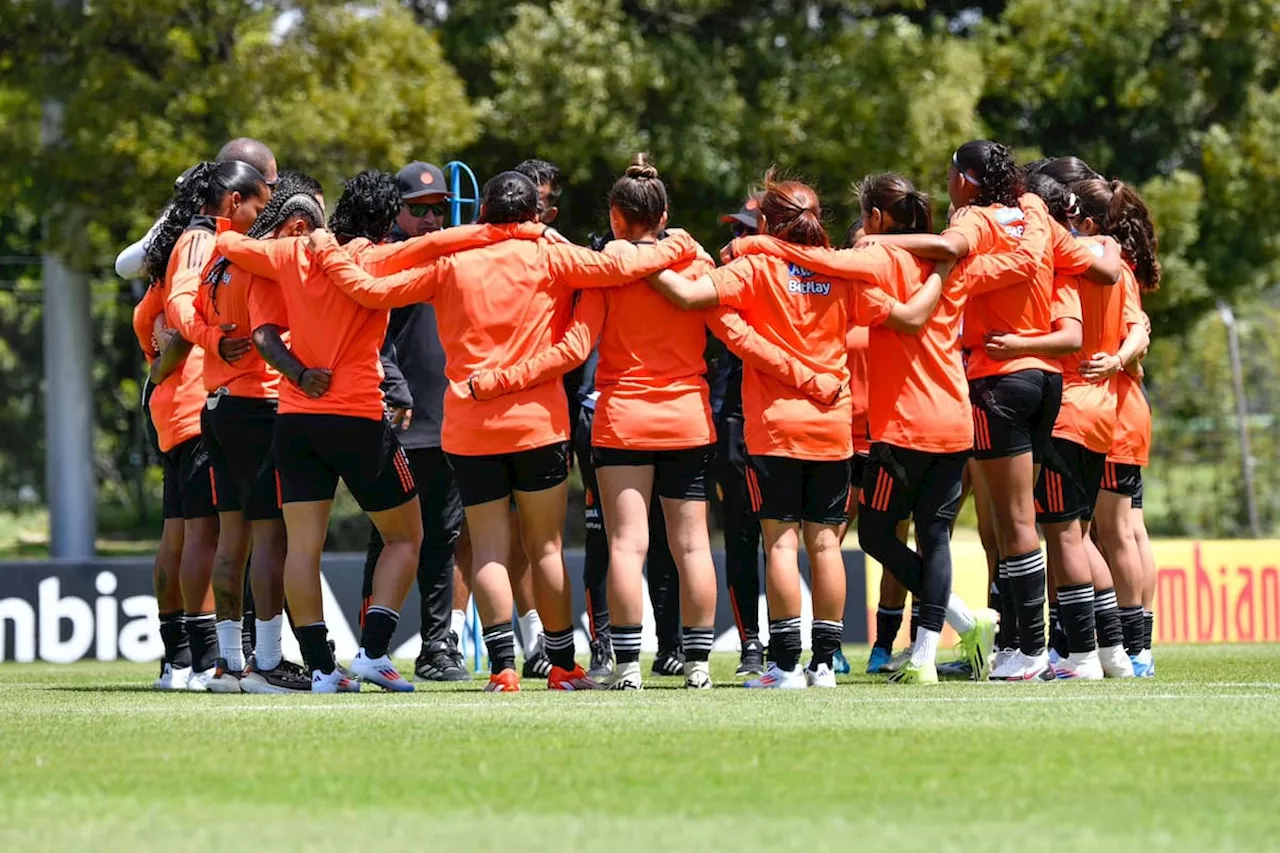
x=437 y=662
x=601 y=658
x=822 y=676
x=1034 y=667
x=1115 y=662
x=507 y=681
x=915 y=673
x=697 y=675
x=286 y=677
x=569 y=680
x=895 y=663
x=1143 y=665
x=225 y=679
x=752 y=660
x=670 y=662
x=333 y=682
x=1002 y=662
x=171 y=677
x=977 y=643
x=776 y=678
x=1082 y=666
x=956 y=668
x=626 y=676
x=380 y=671
x=198 y=682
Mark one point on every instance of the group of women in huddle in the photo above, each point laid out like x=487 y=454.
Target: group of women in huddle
x=995 y=350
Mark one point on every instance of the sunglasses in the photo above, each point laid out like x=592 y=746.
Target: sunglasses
x=421 y=210
x=740 y=230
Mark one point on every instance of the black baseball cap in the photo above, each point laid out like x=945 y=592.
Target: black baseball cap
x=747 y=216
x=420 y=179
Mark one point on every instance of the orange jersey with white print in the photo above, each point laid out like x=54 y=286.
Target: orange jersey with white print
x=1132 y=442
x=806 y=315
x=496 y=306
x=651 y=366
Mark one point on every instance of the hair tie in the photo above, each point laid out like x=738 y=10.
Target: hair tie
x=965 y=176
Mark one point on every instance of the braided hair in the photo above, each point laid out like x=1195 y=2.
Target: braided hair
x=368 y=206
x=992 y=167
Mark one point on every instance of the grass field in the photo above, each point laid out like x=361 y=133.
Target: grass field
x=1188 y=761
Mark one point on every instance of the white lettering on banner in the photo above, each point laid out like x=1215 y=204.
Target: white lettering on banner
x=16 y=612
x=820 y=288
x=108 y=630
x=140 y=637
x=53 y=609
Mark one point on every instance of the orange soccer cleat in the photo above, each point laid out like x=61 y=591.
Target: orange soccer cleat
x=507 y=681
x=570 y=679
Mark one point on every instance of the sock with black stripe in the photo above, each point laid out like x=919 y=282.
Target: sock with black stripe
x=173 y=635
x=1106 y=614
x=888 y=624
x=1148 y=627
x=825 y=638
x=379 y=624
x=202 y=633
x=697 y=643
x=313 y=640
x=784 y=643
x=559 y=645
x=1057 y=638
x=1131 y=629
x=1075 y=608
x=500 y=644
x=626 y=643
x=1027 y=587
x=915 y=620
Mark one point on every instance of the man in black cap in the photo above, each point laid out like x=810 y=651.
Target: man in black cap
x=413 y=361
x=741 y=527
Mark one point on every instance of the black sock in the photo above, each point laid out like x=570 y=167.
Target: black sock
x=202 y=634
x=826 y=637
x=888 y=624
x=313 y=640
x=1027 y=586
x=379 y=624
x=915 y=619
x=1004 y=632
x=1131 y=628
x=1057 y=637
x=626 y=643
x=249 y=638
x=1075 y=608
x=784 y=643
x=1148 y=625
x=173 y=634
x=1106 y=614
x=933 y=617
x=697 y=642
x=559 y=646
x=500 y=643
x=1008 y=607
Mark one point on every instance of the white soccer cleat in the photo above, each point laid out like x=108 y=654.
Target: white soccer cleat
x=1034 y=667
x=380 y=671
x=198 y=682
x=626 y=676
x=1115 y=662
x=1008 y=665
x=225 y=679
x=171 y=677
x=1054 y=657
x=1080 y=667
x=823 y=676
x=697 y=675
x=775 y=678
x=334 y=682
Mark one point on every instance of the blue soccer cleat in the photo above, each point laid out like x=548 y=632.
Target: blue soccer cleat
x=879 y=658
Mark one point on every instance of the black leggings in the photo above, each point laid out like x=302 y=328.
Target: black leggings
x=900 y=483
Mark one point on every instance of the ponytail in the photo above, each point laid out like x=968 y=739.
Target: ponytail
x=792 y=211
x=1121 y=213
x=892 y=194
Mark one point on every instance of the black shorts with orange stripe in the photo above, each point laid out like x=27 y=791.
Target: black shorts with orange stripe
x=1013 y=413
x=188 y=481
x=794 y=490
x=1069 y=481
x=314 y=451
x=239 y=433
x=901 y=483
x=1124 y=480
x=482 y=479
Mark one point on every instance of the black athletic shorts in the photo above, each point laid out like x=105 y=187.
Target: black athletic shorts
x=1014 y=413
x=901 y=482
x=679 y=475
x=239 y=433
x=482 y=479
x=314 y=451
x=857 y=468
x=1136 y=500
x=1069 y=481
x=786 y=489
x=188 y=481
x=1123 y=479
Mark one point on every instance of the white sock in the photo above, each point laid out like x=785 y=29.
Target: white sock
x=458 y=623
x=959 y=616
x=231 y=643
x=268 y=653
x=926 y=648
x=530 y=629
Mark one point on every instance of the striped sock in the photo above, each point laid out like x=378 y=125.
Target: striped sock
x=1027 y=586
x=826 y=636
x=784 y=642
x=173 y=634
x=888 y=624
x=915 y=620
x=379 y=624
x=697 y=643
x=1075 y=607
x=1057 y=637
x=1008 y=638
x=1131 y=628
x=1106 y=614
x=500 y=644
x=626 y=643
x=560 y=647
x=1148 y=627
x=202 y=633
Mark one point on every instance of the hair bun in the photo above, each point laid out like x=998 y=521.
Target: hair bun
x=642 y=169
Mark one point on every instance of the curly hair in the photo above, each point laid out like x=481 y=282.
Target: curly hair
x=1120 y=212
x=1060 y=201
x=368 y=206
x=543 y=173
x=295 y=194
x=202 y=187
x=992 y=166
